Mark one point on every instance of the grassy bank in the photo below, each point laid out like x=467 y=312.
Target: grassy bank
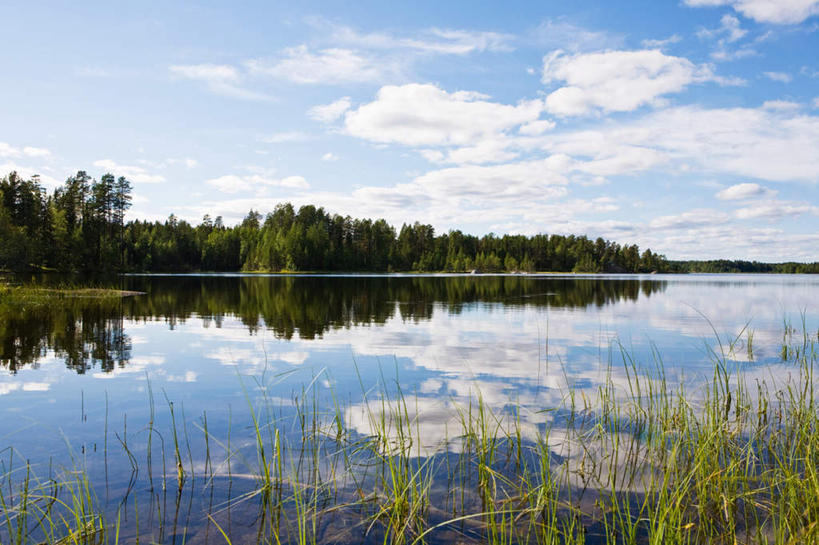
x=735 y=460
x=16 y=294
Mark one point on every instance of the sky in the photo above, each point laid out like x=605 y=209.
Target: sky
x=689 y=127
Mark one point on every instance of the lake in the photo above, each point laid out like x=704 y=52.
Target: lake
x=87 y=383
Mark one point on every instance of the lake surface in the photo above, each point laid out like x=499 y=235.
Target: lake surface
x=81 y=378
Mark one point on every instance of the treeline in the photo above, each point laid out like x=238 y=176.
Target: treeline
x=80 y=226
x=739 y=266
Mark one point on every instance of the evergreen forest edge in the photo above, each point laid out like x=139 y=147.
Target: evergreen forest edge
x=81 y=226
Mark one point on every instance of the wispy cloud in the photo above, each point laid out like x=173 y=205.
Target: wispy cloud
x=651 y=44
x=335 y=65
x=220 y=78
x=327 y=113
x=778 y=76
x=441 y=41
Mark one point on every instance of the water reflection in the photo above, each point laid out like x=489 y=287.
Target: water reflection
x=89 y=333
x=338 y=347
x=86 y=333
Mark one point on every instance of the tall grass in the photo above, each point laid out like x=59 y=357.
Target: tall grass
x=734 y=460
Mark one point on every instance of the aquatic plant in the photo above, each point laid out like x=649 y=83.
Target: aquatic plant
x=733 y=460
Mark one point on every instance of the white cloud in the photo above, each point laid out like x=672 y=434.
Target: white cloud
x=767 y=11
x=744 y=191
x=776 y=210
x=7 y=150
x=534 y=128
x=729 y=32
x=327 y=113
x=781 y=105
x=188 y=162
x=26 y=172
x=30 y=151
x=220 y=78
x=295 y=182
x=326 y=66
x=36 y=386
x=232 y=183
x=816 y=102
x=481 y=185
x=560 y=33
x=776 y=145
x=133 y=173
x=616 y=80
x=433 y=40
x=425 y=115
x=653 y=44
x=8 y=387
x=281 y=137
x=229 y=183
x=689 y=219
x=778 y=76
x=294 y=357
x=729 y=29
x=329 y=156
x=207 y=72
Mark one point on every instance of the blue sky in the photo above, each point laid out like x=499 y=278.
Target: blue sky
x=690 y=127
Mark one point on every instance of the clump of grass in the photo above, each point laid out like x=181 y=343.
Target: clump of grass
x=734 y=460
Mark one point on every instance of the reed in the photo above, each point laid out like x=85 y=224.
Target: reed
x=636 y=461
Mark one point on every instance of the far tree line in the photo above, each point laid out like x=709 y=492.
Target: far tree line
x=81 y=226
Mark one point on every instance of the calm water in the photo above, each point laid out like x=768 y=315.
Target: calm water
x=77 y=377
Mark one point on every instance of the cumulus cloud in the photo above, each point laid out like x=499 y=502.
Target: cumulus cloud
x=133 y=173
x=327 y=113
x=767 y=11
x=744 y=191
x=426 y=115
x=616 y=81
x=329 y=156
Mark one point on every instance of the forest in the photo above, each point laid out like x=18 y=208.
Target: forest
x=81 y=226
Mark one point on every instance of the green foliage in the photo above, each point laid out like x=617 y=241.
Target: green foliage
x=739 y=266
x=81 y=226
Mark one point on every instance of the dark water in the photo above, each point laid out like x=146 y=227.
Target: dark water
x=79 y=378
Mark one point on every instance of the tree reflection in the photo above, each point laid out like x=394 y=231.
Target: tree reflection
x=89 y=333
x=86 y=333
